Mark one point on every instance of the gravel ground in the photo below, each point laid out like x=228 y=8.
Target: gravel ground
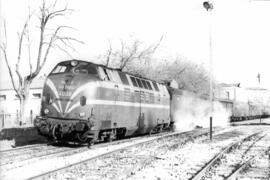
x=180 y=163
x=169 y=158
x=120 y=165
x=55 y=162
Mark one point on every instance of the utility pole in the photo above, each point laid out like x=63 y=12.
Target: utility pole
x=260 y=98
x=209 y=7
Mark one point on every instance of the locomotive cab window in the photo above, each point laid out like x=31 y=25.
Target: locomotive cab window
x=86 y=68
x=59 y=69
x=62 y=67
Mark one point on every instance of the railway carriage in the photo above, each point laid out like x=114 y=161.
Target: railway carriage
x=86 y=102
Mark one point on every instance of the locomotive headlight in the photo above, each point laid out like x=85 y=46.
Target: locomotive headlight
x=82 y=100
x=82 y=114
x=46 y=111
x=74 y=63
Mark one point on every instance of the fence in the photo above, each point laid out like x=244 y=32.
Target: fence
x=9 y=120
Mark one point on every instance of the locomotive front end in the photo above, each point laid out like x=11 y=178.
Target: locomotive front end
x=66 y=108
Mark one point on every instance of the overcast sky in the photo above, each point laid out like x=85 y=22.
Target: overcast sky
x=240 y=32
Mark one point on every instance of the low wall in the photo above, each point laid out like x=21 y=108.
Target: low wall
x=22 y=135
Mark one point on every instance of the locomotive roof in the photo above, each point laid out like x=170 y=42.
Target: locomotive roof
x=115 y=69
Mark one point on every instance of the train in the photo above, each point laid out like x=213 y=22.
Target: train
x=85 y=102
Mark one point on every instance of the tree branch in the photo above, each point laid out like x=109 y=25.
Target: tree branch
x=109 y=53
x=46 y=15
x=19 y=54
x=3 y=47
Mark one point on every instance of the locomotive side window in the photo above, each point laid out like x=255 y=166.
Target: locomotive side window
x=155 y=86
x=116 y=76
x=144 y=84
x=106 y=72
x=123 y=78
x=112 y=75
x=133 y=81
x=102 y=74
x=149 y=85
x=139 y=83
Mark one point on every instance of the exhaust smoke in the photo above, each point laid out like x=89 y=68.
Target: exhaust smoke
x=193 y=112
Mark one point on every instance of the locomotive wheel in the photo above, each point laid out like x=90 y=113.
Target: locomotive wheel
x=90 y=143
x=82 y=138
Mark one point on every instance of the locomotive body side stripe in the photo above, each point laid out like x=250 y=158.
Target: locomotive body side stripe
x=55 y=106
x=107 y=85
x=90 y=85
x=55 y=92
x=118 y=103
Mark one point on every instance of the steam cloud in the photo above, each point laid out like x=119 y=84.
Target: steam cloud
x=193 y=112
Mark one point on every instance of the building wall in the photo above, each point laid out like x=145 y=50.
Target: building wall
x=225 y=93
x=10 y=106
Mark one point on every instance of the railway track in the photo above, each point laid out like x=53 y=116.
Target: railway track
x=20 y=148
x=9 y=157
x=186 y=162
x=67 y=163
x=256 y=167
x=123 y=162
x=41 y=151
x=16 y=158
x=231 y=160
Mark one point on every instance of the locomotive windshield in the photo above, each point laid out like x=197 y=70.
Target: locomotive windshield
x=85 y=68
x=75 y=67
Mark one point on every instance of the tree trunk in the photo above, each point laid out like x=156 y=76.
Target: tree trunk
x=24 y=103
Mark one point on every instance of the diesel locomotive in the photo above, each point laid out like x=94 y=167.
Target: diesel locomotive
x=86 y=102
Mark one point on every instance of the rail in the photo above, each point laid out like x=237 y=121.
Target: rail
x=203 y=170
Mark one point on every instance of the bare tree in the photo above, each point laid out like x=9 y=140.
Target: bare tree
x=120 y=58
x=189 y=75
x=138 y=60
x=48 y=39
